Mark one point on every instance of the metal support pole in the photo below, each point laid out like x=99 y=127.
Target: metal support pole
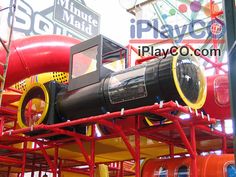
x=33 y=168
x=137 y=150
x=184 y=139
x=172 y=150
x=8 y=51
x=47 y=158
x=33 y=164
x=83 y=151
x=230 y=20
x=194 y=158
x=121 y=169
x=129 y=55
x=4 y=45
x=138 y=123
x=60 y=167
x=40 y=171
x=24 y=160
x=224 y=140
x=92 y=155
x=1 y=125
x=137 y=146
x=55 y=161
x=8 y=171
x=118 y=168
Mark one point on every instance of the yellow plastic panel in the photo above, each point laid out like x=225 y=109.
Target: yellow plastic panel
x=115 y=150
x=102 y=171
x=66 y=174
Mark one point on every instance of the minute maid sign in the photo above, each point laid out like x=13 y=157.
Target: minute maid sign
x=76 y=16
x=66 y=17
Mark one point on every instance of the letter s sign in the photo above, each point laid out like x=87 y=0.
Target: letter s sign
x=23 y=17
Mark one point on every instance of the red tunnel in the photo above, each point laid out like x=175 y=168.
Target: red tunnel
x=208 y=166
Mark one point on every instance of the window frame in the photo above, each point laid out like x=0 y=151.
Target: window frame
x=176 y=171
x=165 y=168
x=226 y=166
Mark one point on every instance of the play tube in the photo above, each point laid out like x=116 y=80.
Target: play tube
x=208 y=166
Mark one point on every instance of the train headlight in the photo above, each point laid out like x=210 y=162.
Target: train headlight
x=189 y=80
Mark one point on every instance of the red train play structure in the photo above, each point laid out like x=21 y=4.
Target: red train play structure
x=162 y=110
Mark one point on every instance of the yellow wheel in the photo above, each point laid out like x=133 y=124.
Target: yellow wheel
x=33 y=106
